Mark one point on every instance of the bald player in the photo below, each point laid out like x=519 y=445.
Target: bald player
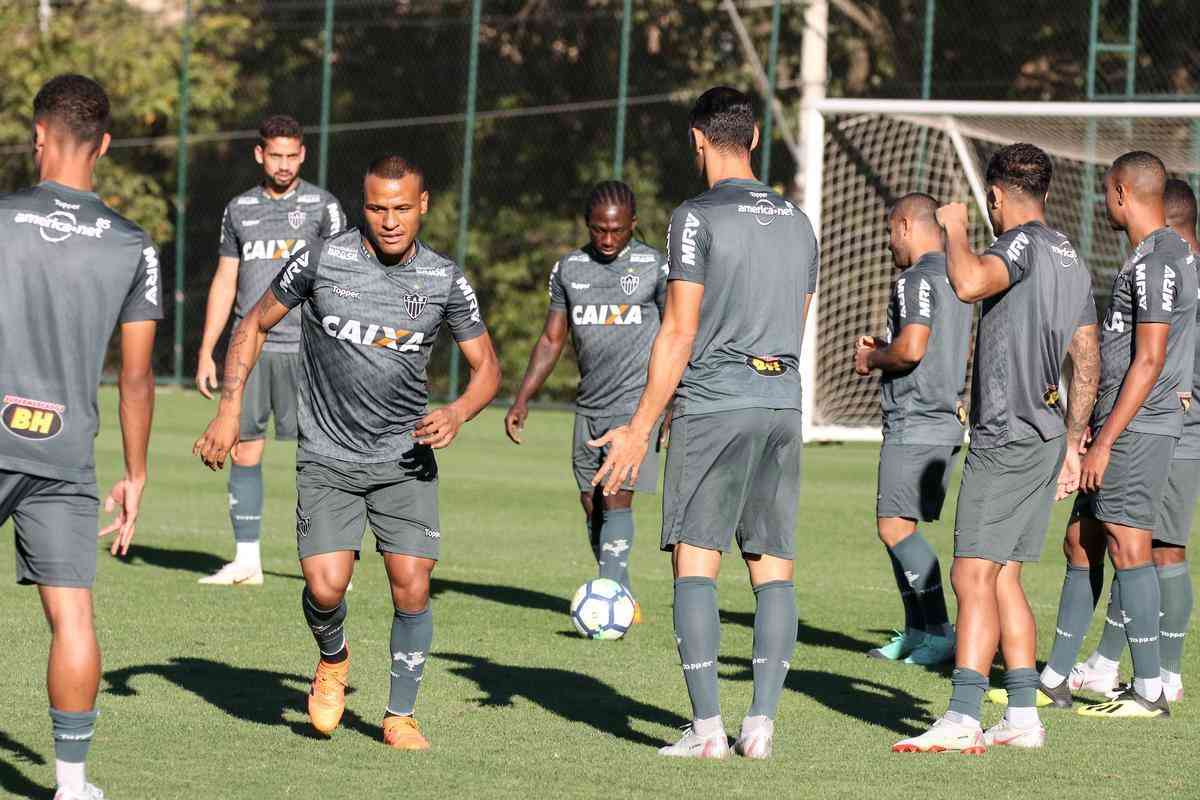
x=1169 y=545
x=924 y=365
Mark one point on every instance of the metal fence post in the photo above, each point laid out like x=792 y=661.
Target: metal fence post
x=772 y=63
x=464 y=198
x=181 y=166
x=926 y=87
x=326 y=87
x=623 y=91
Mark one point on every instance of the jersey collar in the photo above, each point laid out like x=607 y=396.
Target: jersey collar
x=286 y=196
x=374 y=259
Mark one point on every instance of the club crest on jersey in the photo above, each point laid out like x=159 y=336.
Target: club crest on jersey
x=414 y=304
x=629 y=283
x=767 y=366
x=296 y=219
x=31 y=419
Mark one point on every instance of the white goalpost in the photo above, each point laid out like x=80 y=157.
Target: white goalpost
x=860 y=155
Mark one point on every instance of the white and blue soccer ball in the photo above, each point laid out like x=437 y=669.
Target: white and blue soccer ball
x=602 y=609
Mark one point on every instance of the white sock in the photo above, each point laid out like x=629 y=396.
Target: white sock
x=1149 y=688
x=961 y=719
x=1102 y=664
x=708 y=727
x=1171 y=678
x=750 y=724
x=69 y=775
x=248 y=553
x=1052 y=678
x=1023 y=717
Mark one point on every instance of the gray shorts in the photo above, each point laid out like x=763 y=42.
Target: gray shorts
x=335 y=500
x=734 y=474
x=913 y=479
x=1134 y=483
x=1005 y=499
x=1179 y=502
x=56 y=523
x=585 y=460
x=273 y=387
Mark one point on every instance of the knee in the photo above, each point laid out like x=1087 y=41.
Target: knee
x=972 y=578
x=327 y=588
x=1166 y=555
x=410 y=591
x=70 y=615
x=619 y=501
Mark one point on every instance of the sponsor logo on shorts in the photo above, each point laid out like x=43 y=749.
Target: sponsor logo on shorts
x=630 y=283
x=342 y=253
x=31 y=419
x=271 y=249
x=432 y=534
x=303 y=524
x=58 y=226
x=606 y=314
x=414 y=304
x=296 y=219
x=767 y=366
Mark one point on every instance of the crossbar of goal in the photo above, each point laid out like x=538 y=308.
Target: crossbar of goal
x=1004 y=108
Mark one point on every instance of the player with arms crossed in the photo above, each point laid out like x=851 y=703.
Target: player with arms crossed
x=1169 y=547
x=366 y=434
x=924 y=365
x=1037 y=306
x=261 y=229
x=610 y=295
x=1147 y=348
x=743 y=264
x=73 y=269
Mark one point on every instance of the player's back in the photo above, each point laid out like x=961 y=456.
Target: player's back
x=757 y=256
x=1023 y=336
x=71 y=268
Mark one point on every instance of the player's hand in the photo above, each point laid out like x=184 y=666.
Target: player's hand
x=206 y=375
x=952 y=215
x=1068 y=476
x=514 y=421
x=626 y=450
x=125 y=500
x=216 y=442
x=664 y=430
x=1095 y=463
x=865 y=342
x=1085 y=440
x=439 y=427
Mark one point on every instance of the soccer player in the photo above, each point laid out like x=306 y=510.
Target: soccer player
x=366 y=434
x=1146 y=353
x=610 y=295
x=1037 y=306
x=261 y=229
x=73 y=269
x=743 y=266
x=1169 y=546
x=924 y=366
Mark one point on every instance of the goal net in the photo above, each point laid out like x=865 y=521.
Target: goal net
x=876 y=151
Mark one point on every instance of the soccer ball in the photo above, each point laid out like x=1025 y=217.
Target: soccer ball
x=602 y=609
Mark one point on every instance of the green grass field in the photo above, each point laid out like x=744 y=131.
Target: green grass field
x=203 y=689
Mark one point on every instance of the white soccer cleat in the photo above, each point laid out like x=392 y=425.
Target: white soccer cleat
x=89 y=792
x=1173 y=692
x=756 y=739
x=945 y=737
x=235 y=574
x=1085 y=677
x=693 y=745
x=1005 y=733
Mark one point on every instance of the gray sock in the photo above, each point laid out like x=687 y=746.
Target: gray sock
x=412 y=635
x=913 y=620
x=327 y=626
x=1021 y=684
x=1141 y=603
x=924 y=574
x=968 y=690
x=1075 y=607
x=616 y=540
x=1175 y=586
x=774 y=642
x=246 y=502
x=1112 y=640
x=698 y=632
x=72 y=732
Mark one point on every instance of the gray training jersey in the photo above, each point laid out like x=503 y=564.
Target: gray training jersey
x=1188 y=446
x=757 y=257
x=1023 y=337
x=1156 y=284
x=922 y=406
x=263 y=232
x=72 y=269
x=366 y=334
x=613 y=311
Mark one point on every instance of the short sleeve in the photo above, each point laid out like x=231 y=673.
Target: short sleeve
x=229 y=247
x=333 y=219
x=558 y=295
x=294 y=283
x=144 y=300
x=814 y=263
x=916 y=301
x=660 y=289
x=1012 y=247
x=688 y=242
x=1155 y=290
x=1087 y=314
x=462 y=309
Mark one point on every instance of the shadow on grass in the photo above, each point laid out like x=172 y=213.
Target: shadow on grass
x=13 y=782
x=187 y=561
x=857 y=698
x=508 y=595
x=571 y=695
x=806 y=634
x=252 y=695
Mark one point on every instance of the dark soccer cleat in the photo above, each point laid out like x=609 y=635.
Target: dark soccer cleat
x=1059 y=696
